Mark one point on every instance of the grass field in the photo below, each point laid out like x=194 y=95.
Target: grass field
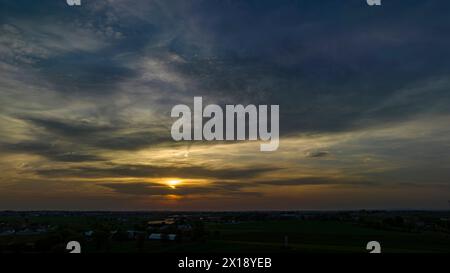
x=249 y=236
x=303 y=236
x=326 y=236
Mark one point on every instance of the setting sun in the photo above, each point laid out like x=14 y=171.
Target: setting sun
x=173 y=183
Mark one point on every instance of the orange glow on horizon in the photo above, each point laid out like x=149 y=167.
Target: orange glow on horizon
x=173 y=183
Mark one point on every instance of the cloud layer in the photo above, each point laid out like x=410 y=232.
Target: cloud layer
x=86 y=94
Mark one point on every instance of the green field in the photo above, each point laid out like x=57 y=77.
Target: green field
x=325 y=236
x=303 y=236
x=249 y=236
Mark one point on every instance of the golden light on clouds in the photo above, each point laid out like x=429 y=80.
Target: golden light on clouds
x=172 y=197
x=173 y=183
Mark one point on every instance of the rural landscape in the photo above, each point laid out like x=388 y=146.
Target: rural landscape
x=225 y=232
x=224 y=128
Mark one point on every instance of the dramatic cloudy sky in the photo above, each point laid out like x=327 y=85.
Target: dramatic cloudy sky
x=86 y=94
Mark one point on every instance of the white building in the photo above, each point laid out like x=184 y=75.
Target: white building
x=159 y=236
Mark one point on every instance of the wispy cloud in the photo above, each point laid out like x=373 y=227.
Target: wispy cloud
x=86 y=95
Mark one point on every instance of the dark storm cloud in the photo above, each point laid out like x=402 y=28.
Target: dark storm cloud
x=306 y=181
x=52 y=152
x=318 y=154
x=156 y=171
x=132 y=141
x=155 y=189
x=101 y=136
x=69 y=128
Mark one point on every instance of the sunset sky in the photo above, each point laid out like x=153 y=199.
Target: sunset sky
x=86 y=94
